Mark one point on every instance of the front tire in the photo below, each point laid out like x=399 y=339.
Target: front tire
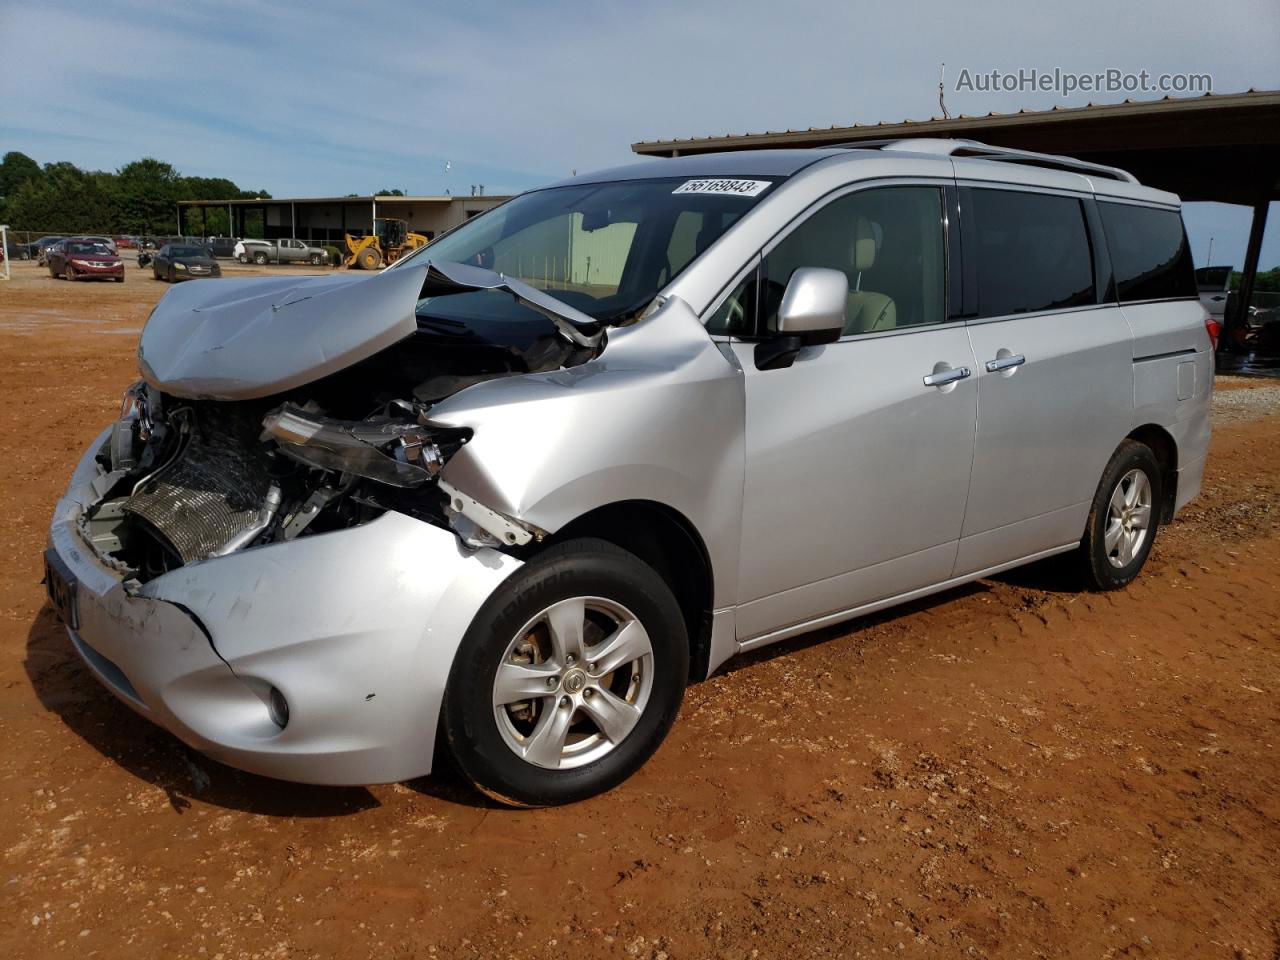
x=260 y=259
x=569 y=677
x=1123 y=519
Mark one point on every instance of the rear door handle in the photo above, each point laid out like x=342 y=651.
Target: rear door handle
x=1004 y=363
x=943 y=377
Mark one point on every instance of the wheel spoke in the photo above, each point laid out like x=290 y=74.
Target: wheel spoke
x=1115 y=530
x=614 y=716
x=1126 y=549
x=546 y=743
x=565 y=622
x=1142 y=517
x=629 y=643
x=1117 y=500
x=1131 y=492
x=521 y=681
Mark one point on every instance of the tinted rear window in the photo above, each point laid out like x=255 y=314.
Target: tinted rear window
x=1149 y=252
x=1033 y=251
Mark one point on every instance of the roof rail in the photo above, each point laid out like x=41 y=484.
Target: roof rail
x=985 y=151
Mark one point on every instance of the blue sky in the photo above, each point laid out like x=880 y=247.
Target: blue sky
x=330 y=97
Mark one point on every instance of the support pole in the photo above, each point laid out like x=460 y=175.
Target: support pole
x=4 y=246
x=1240 y=316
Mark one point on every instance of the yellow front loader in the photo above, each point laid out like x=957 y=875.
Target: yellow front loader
x=389 y=241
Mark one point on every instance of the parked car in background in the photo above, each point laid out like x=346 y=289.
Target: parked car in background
x=222 y=247
x=84 y=258
x=37 y=249
x=126 y=243
x=107 y=242
x=279 y=251
x=175 y=262
x=1214 y=287
x=477 y=504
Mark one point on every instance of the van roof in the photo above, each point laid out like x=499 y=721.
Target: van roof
x=968 y=155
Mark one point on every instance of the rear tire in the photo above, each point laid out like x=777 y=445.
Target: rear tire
x=549 y=745
x=1123 y=519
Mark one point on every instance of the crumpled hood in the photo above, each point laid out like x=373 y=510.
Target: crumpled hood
x=244 y=339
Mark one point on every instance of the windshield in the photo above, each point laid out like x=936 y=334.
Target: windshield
x=604 y=248
x=185 y=252
x=99 y=249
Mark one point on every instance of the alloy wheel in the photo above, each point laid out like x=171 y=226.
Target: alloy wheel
x=1128 y=518
x=573 y=683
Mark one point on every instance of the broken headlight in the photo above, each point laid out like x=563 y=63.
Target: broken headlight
x=385 y=449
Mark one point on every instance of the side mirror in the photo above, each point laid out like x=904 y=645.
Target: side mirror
x=814 y=303
x=811 y=312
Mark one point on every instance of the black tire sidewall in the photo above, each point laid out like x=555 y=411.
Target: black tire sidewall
x=578 y=568
x=1130 y=455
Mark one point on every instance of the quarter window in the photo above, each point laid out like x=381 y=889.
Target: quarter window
x=887 y=240
x=1149 y=252
x=1032 y=251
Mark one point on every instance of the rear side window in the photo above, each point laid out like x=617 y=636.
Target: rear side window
x=1149 y=252
x=1032 y=251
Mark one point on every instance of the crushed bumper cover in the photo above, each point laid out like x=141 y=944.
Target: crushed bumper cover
x=356 y=628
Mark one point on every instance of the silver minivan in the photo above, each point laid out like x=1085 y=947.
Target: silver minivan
x=507 y=498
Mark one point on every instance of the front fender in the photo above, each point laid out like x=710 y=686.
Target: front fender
x=658 y=416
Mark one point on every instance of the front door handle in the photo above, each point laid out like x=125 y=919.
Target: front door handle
x=1005 y=363
x=942 y=377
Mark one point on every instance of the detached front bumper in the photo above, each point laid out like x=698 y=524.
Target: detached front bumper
x=356 y=628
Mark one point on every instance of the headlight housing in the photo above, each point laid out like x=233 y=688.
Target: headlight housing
x=180 y=266
x=385 y=449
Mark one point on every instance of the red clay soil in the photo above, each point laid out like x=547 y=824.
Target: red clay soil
x=1011 y=769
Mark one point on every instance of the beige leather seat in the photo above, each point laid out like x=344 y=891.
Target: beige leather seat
x=866 y=311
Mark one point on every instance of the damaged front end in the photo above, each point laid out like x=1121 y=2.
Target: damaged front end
x=188 y=477
x=186 y=480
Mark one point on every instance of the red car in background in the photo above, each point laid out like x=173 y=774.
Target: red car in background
x=84 y=258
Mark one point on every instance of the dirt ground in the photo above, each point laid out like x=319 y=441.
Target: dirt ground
x=1011 y=769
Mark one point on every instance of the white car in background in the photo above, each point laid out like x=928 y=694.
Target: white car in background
x=1214 y=287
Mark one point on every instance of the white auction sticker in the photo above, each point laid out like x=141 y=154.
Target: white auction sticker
x=738 y=188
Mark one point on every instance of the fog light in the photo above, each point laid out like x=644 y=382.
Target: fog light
x=278 y=707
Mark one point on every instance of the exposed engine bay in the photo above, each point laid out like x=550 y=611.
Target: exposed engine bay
x=188 y=478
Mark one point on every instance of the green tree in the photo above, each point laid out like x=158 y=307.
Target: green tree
x=147 y=192
x=63 y=199
x=140 y=197
x=15 y=170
